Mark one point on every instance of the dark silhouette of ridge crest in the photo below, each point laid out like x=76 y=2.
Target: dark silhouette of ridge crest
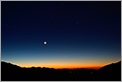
x=11 y=72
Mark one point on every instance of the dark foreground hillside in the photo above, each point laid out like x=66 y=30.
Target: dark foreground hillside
x=10 y=72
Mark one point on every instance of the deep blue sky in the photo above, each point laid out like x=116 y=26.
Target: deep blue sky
x=77 y=33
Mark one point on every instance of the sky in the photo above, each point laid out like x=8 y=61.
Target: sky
x=78 y=33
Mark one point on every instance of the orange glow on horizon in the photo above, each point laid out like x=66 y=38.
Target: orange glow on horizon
x=61 y=66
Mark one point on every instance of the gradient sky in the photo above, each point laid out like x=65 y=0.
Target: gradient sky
x=78 y=34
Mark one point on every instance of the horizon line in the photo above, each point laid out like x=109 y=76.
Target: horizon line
x=94 y=67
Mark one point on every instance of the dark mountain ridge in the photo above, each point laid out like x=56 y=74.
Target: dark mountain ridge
x=11 y=72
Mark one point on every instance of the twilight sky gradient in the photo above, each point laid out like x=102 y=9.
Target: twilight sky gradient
x=78 y=34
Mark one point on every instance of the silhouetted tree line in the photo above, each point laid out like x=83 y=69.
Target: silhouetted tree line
x=10 y=72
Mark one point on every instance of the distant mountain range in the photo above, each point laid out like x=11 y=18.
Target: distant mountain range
x=11 y=72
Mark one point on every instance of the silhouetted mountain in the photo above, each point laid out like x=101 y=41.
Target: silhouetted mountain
x=111 y=71
x=113 y=66
x=9 y=65
x=10 y=72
